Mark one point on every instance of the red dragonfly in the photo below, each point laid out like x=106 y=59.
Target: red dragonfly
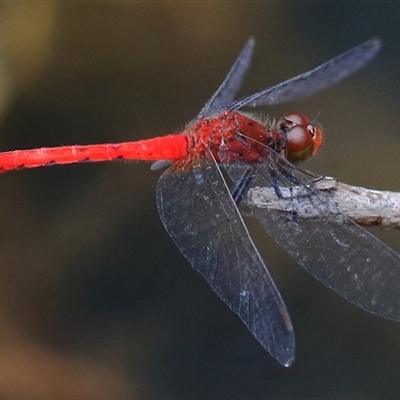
x=216 y=160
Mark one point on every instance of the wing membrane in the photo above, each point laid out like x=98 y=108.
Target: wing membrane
x=231 y=84
x=313 y=81
x=197 y=211
x=336 y=251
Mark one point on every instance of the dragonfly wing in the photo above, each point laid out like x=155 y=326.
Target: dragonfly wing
x=336 y=251
x=231 y=84
x=197 y=211
x=226 y=91
x=313 y=81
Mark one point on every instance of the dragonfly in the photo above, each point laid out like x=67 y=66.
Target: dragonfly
x=202 y=198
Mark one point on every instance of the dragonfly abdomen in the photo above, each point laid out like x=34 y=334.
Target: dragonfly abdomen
x=170 y=147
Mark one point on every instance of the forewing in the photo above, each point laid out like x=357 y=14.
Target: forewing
x=315 y=80
x=225 y=93
x=231 y=84
x=197 y=211
x=336 y=251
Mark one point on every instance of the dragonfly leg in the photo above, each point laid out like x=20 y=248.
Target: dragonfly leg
x=241 y=188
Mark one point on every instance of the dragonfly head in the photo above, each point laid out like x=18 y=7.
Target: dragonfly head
x=303 y=138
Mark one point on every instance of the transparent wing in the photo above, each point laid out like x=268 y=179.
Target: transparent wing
x=336 y=251
x=313 y=81
x=295 y=88
x=231 y=84
x=225 y=93
x=197 y=211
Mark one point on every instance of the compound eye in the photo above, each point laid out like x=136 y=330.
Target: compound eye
x=303 y=139
x=288 y=121
x=316 y=136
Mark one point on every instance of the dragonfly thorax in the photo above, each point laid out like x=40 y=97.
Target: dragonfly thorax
x=232 y=136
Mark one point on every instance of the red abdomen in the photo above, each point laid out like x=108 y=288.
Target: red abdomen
x=170 y=147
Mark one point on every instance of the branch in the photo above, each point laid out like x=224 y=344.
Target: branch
x=363 y=206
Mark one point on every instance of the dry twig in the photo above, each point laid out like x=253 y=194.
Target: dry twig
x=366 y=207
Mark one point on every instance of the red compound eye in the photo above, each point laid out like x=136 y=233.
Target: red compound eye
x=303 y=139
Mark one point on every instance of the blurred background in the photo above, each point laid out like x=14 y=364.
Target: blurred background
x=96 y=302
